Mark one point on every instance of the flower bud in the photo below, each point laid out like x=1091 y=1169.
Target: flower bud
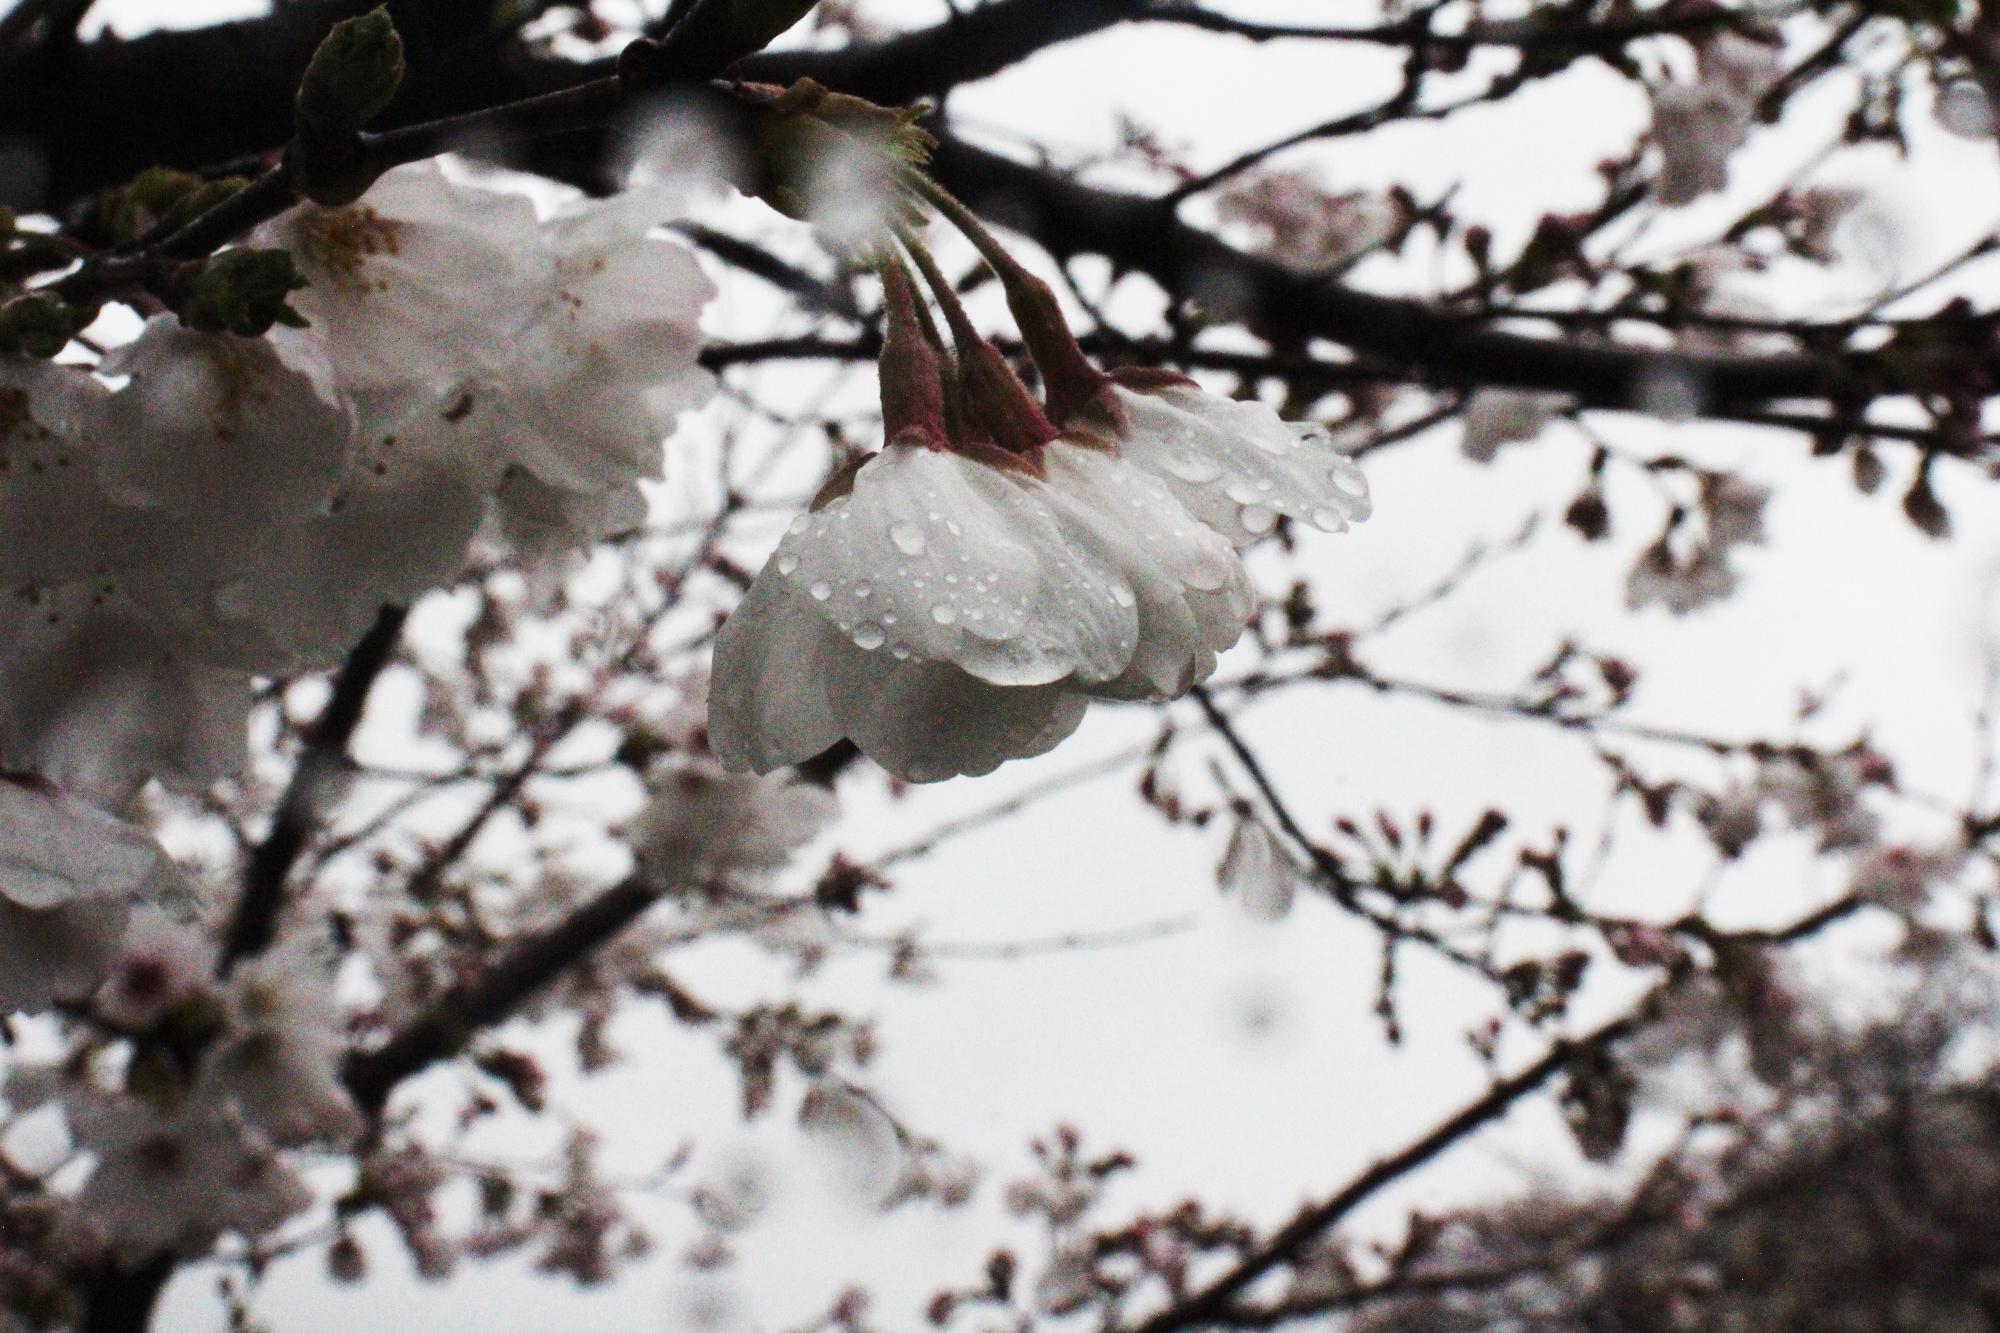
x=242 y=292
x=353 y=75
x=39 y=324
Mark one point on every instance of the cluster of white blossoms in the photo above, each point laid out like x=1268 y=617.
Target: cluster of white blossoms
x=199 y=507
x=957 y=599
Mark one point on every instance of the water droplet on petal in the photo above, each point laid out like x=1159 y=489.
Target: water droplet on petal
x=1122 y=595
x=944 y=615
x=864 y=590
x=787 y=563
x=889 y=619
x=821 y=591
x=900 y=651
x=1193 y=468
x=908 y=537
x=800 y=524
x=1328 y=520
x=868 y=636
x=1257 y=520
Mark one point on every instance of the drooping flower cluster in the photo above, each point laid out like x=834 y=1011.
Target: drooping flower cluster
x=955 y=600
x=205 y=506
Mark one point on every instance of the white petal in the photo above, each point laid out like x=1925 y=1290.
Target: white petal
x=55 y=849
x=934 y=556
x=1234 y=465
x=767 y=705
x=217 y=429
x=56 y=953
x=928 y=721
x=99 y=698
x=56 y=520
x=609 y=362
x=1257 y=871
x=1192 y=593
x=419 y=279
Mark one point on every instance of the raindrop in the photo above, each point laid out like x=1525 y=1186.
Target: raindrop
x=787 y=563
x=1328 y=520
x=944 y=615
x=864 y=590
x=1193 y=468
x=1122 y=595
x=1257 y=520
x=800 y=524
x=821 y=591
x=868 y=636
x=908 y=537
x=900 y=651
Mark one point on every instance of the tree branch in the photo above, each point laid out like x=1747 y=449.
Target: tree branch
x=1210 y=1306
x=443 y=1030
x=255 y=921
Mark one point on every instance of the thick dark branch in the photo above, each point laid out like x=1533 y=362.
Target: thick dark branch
x=123 y=1302
x=1140 y=234
x=224 y=93
x=963 y=49
x=1530 y=34
x=255 y=920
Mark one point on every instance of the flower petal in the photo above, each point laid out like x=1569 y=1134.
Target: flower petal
x=940 y=557
x=767 y=705
x=1235 y=465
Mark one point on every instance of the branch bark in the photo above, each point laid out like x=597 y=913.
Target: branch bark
x=255 y=921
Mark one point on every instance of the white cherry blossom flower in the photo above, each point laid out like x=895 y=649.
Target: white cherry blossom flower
x=161 y=963
x=1236 y=466
x=1306 y=227
x=172 y=1181
x=218 y=430
x=704 y=822
x=277 y=1063
x=417 y=279
x=948 y=613
x=565 y=419
x=69 y=873
x=1498 y=417
x=1256 y=870
x=1697 y=128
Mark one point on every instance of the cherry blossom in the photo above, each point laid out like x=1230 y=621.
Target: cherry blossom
x=1256 y=870
x=69 y=873
x=276 y=1063
x=1236 y=466
x=171 y=1181
x=1306 y=227
x=704 y=822
x=1498 y=417
x=419 y=276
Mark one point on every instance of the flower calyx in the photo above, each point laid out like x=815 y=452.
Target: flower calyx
x=836 y=161
x=241 y=291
